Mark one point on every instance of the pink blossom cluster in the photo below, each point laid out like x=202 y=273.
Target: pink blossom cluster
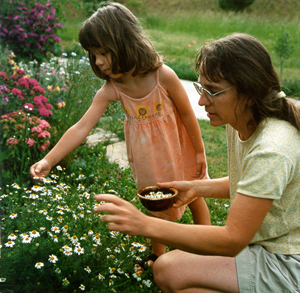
x=18 y=89
x=14 y=124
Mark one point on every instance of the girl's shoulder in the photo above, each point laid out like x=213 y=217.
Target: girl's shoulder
x=167 y=76
x=107 y=92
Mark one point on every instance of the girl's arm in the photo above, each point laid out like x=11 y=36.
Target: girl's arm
x=170 y=81
x=244 y=219
x=76 y=134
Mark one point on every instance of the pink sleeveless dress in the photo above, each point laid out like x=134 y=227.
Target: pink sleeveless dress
x=158 y=146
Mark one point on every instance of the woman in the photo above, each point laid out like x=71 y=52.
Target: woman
x=258 y=249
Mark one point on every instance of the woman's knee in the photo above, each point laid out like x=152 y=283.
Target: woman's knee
x=164 y=269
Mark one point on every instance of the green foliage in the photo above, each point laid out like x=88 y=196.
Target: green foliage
x=54 y=241
x=24 y=139
x=284 y=48
x=234 y=5
x=29 y=29
x=292 y=89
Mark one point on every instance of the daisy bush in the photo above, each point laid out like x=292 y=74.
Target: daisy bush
x=56 y=243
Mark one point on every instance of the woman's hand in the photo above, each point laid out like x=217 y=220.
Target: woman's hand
x=186 y=192
x=40 y=169
x=123 y=216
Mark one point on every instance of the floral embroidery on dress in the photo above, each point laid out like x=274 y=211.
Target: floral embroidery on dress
x=142 y=111
x=159 y=107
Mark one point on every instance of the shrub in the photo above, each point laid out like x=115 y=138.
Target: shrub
x=234 y=5
x=18 y=91
x=30 y=29
x=24 y=139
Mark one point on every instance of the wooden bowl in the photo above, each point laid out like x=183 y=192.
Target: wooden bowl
x=157 y=204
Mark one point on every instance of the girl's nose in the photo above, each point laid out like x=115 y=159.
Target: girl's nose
x=99 y=60
x=203 y=100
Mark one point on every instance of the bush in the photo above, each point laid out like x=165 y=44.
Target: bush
x=18 y=91
x=29 y=29
x=24 y=139
x=234 y=5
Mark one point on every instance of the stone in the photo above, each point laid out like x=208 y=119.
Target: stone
x=101 y=136
x=117 y=153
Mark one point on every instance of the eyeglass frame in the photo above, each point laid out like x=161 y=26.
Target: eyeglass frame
x=198 y=87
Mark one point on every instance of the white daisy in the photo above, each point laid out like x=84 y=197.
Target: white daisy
x=39 y=265
x=53 y=258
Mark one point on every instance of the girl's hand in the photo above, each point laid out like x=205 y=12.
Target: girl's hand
x=123 y=216
x=186 y=193
x=201 y=166
x=40 y=169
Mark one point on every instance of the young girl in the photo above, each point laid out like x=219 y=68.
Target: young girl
x=162 y=133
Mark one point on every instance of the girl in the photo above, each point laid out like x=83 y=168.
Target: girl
x=161 y=131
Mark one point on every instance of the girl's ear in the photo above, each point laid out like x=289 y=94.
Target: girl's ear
x=250 y=102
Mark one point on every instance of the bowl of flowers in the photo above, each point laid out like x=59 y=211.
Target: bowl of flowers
x=156 y=199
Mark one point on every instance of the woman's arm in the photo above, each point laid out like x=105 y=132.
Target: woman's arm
x=76 y=134
x=244 y=219
x=170 y=81
x=190 y=190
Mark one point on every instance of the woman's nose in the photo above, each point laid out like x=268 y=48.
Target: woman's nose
x=203 y=100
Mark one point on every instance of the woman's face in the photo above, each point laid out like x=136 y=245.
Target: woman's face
x=226 y=108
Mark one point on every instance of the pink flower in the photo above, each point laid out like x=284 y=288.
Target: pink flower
x=194 y=42
x=44 y=146
x=44 y=124
x=44 y=134
x=36 y=129
x=49 y=106
x=23 y=81
x=33 y=82
x=3 y=74
x=16 y=92
x=39 y=89
x=28 y=107
x=21 y=71
x=12 y=141
x=189 y=45
x=30 y=142
x=44 y=112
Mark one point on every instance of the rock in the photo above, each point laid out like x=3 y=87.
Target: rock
x=116 y=153
x=101 y=136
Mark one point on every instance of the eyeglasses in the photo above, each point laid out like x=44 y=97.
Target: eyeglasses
x=199 y=88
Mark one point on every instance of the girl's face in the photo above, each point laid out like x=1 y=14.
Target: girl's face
x=226 y=108
x=103 y=61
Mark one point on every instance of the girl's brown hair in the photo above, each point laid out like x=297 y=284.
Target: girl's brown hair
x=245 y=63
x=116 y=30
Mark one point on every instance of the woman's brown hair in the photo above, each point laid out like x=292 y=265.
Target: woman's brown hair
x=245 y=63
x=116 y=30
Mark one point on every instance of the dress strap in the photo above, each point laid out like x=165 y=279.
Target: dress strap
x=116 y=89
x=157 y=75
